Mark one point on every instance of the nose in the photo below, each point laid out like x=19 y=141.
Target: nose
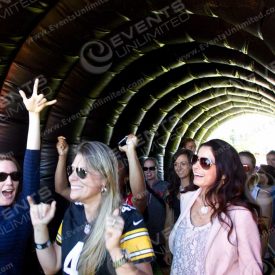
x=73 y=175
x=195 y=165
x=8 y=180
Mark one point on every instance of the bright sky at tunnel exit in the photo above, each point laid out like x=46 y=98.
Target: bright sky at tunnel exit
x=252 y=132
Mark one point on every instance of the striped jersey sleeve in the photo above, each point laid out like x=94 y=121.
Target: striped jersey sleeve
x=58 y=238
x=135 y=238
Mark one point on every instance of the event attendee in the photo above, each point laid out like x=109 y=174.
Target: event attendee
x=270 y=158
x=260 y=196
x=80 y=245
x=217 y=231
x=155 y=213
x=180 y=181
x=131 y=179
x=189 y=144
x=14 y=211
x=266 y=176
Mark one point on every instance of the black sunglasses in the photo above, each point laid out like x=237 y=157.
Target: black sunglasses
x=15 y=176
x=152 y=168
x=81 y=172
x=205 y=163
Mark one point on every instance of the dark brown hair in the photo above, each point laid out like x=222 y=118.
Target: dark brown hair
x=174 y=180
x=10 y=158
x=231 y=190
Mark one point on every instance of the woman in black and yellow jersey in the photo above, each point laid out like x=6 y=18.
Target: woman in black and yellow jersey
x=98 y=235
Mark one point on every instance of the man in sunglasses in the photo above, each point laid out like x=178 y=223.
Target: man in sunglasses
x=14 y=212
x=155 y=213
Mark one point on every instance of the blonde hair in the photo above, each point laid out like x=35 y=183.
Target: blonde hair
x=100 y=158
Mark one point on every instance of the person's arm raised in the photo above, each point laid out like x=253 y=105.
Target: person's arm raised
x=35 y=104
x=49 y=255
x=60 y=178
x=136 y=177
x=31 y=174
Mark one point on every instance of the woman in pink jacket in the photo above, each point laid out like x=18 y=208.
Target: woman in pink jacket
x=217 y=231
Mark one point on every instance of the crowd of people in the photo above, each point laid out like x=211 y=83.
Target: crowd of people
x=214 y=213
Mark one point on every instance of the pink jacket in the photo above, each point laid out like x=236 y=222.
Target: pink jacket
x=221 y=257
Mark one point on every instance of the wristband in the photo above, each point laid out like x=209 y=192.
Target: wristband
x=43 y=245
x=125 y=259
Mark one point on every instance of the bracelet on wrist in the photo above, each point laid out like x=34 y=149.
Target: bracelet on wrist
x=125 y=259
x=43 y=245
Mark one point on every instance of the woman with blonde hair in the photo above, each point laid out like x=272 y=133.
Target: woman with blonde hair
x=80 y=246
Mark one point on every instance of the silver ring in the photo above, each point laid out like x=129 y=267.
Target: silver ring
x=114 y=222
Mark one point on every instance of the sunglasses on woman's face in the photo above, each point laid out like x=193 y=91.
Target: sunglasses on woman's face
x=205 y=163
x=152 y=168
x=15 y=176
x=81 y=172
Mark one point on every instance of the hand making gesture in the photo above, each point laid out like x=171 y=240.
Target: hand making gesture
x=113 y=230
x=42 y=213
x=37 y=102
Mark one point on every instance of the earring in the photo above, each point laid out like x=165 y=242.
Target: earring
x=103 y=189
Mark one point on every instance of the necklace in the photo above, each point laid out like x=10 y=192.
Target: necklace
x=204 y=210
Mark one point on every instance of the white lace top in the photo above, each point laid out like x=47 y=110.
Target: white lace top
x=189 y=247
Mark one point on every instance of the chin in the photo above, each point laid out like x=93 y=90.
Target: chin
x=5 y=202
x=197 y=183
x=73 y=197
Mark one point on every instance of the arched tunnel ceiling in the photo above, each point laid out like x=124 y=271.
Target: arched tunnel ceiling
x=159 y=69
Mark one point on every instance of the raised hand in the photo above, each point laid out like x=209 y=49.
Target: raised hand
x=42 y=213
x=131 y=143
x=113 y=230
x=37 y=102
x=62 y=146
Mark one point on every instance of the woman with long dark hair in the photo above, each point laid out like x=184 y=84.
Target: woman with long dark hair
x=180 y=179
x=217 y=231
